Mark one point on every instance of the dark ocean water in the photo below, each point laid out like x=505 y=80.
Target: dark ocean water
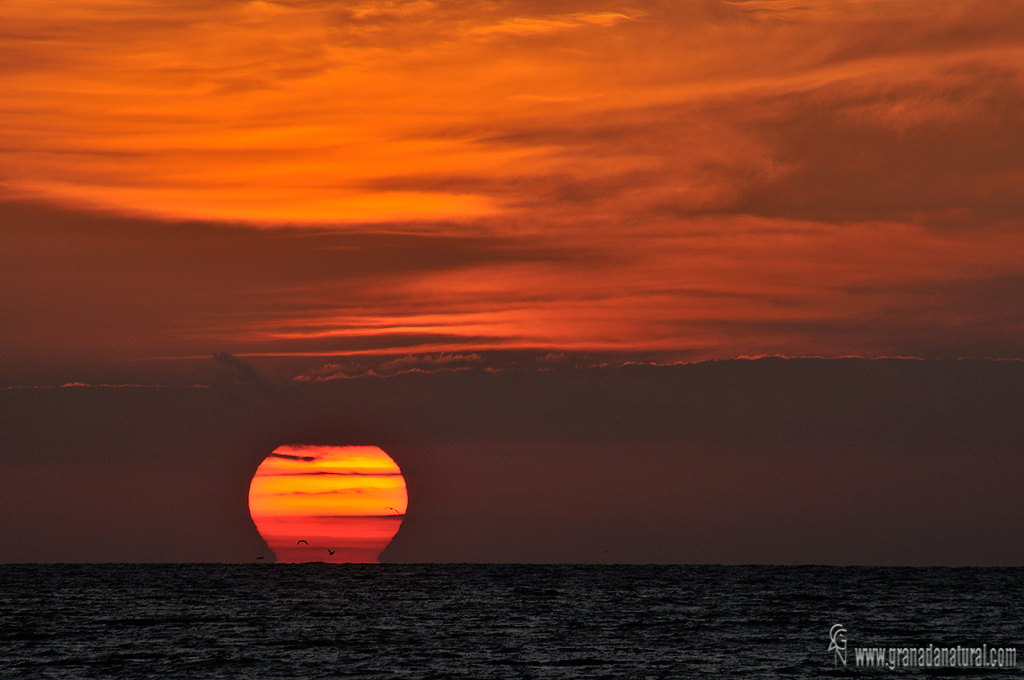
x=490 y=621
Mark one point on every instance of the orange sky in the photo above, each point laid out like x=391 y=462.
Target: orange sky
x=705 y=179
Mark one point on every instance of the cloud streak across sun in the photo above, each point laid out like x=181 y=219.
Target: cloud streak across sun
x=713 y=179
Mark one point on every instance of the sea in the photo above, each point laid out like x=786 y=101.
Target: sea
x=506 y=621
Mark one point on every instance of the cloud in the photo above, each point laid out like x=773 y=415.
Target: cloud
x=199 y=288
x=428 y=363
x=942 y=152
x=306 y=113
x=290 y=457
x=714 y=179
x=701 y=287
x=528 y=26
x=239 y=370
x=385 y=366
x=391 y=9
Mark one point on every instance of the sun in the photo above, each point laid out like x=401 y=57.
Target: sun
x=328 y=503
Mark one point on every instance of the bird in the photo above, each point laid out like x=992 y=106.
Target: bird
x=330 y=552
x=301 y=540
x=396 y=511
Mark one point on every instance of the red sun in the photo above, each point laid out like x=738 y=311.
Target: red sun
x=328 y=503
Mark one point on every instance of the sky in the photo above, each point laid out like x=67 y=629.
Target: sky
x=227 y=227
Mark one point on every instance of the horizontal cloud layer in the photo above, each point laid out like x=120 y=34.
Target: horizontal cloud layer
x=779 y=461
x=84 y=288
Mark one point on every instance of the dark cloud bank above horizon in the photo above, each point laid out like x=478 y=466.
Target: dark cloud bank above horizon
x=840 y=461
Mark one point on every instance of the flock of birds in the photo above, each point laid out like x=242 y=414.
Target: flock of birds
x=329 y=551
x=300 y=542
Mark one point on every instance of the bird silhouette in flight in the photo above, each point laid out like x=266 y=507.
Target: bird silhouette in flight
x=396 y=511
x=301 y=540
x=330 y=552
